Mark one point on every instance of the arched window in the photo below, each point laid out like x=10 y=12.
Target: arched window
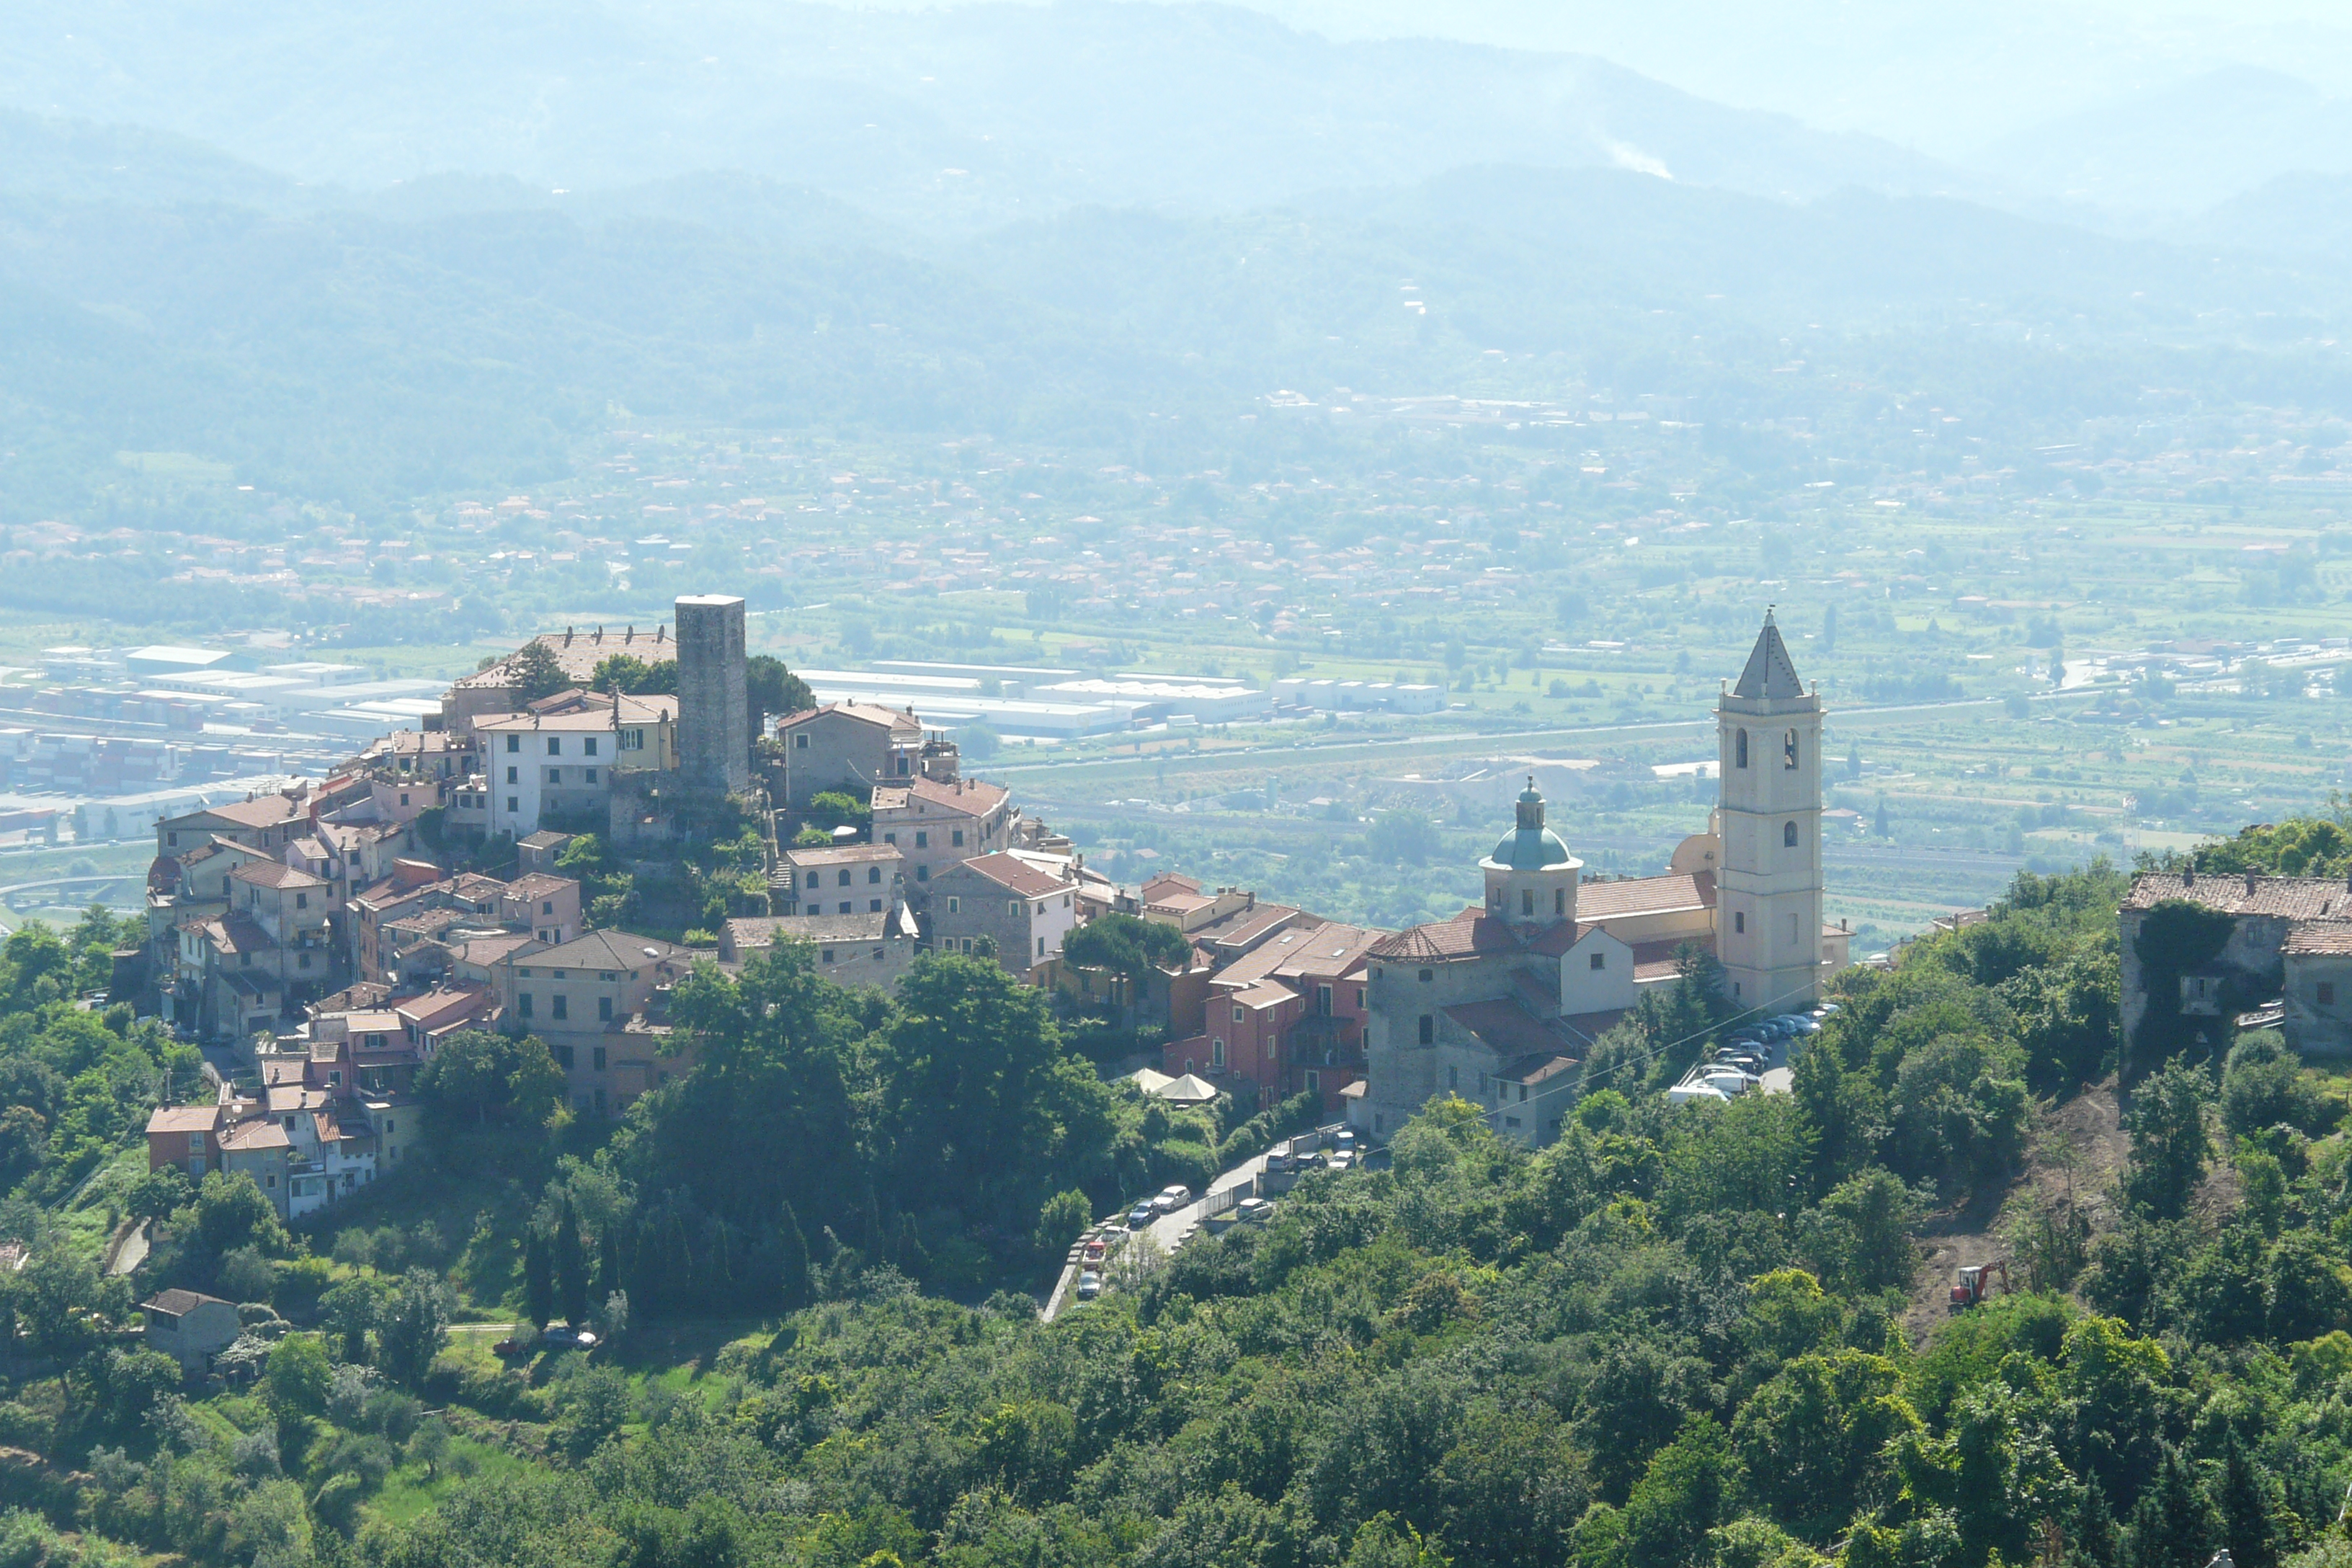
x=1789 y=751
x=1788 y=834
x=1526 y=901
x=1559 y=900
x=1740 y=750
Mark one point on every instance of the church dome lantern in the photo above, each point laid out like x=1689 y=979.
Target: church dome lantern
x=1531 y=876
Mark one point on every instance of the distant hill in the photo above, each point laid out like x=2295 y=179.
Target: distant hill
x=2182 y=147
x=460 y=332
x=2304 y=216
x=963 y=117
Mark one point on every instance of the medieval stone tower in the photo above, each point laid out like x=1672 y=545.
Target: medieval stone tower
x=714 y=713
x=1768 y=908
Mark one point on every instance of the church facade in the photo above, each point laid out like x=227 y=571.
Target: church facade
x=1500 y=1003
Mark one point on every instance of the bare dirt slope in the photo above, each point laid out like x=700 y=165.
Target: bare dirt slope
x=2076 y=1147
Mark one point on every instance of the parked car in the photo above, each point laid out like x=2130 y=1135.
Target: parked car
x=1345 y=1140
x=1170 y=1199
x=1340 y=1159
x=1255 y=1211
x=559 y=1337
x=1095 y=1250
x=1140 y=1216
x=1803 y=1026
x=511 y=1346
x=1277 y=1158
x=1089 y=1285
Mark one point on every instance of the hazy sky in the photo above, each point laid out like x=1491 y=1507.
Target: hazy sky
x=1947 y=78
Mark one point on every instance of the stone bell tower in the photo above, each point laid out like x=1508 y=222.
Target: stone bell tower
x=1768 y=931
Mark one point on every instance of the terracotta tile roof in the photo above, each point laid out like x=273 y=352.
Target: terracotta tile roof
x=1555 y=939
x=1265 y=993
x=1631 y=896
x=262 y=811
x=1507 y=1027
x=1330 y=950
x=846 y=854
x=183 y=1118
x=610 y=950
x=176 y=1303
x=766 y=930
x=969 y=798
x=897 y=719
x=2320 y=936
x=1536 y=1067
x=1243 y=927
x=1016 y=875
x=2296 y=898
x=1470 y=934
x=262 y=1133
x=538 y=885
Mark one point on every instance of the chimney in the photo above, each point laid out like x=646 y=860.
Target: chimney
x=2250 y=882
x=2188 y=875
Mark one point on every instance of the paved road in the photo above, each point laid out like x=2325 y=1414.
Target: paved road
x=1168 y=1231
x=129 y=1252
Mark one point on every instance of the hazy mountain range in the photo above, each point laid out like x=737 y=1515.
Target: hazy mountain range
x=373 y=252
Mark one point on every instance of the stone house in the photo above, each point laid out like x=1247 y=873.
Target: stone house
x=191 y=1328
x=847 y=746
x=2290 y=940
x=1023 y=910
x=598 y=1001
x=935 y=826
x=848 y=879
x=863 y=948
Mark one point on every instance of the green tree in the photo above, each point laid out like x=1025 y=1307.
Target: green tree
x=792 y=1272
x=413 y=1327
x=348 y=1310
x=2171 y=1147
x=773 y=691
x=1683 y=1494
x=634 y=676
x=1809 y=1438
x=2262 y=1087
x=480 y=1077
x=537 y=1278
x=1065 y=1214
x=1129 y=948
x=1860 y=1237
x=570 y=1268
x=2174 y=1525
x=231 y=1211
x=295 y=1386
x=536 y=672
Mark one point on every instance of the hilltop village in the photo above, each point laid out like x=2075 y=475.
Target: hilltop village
x=323 y=940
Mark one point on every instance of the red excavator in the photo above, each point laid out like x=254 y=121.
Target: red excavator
x=1974 y=1283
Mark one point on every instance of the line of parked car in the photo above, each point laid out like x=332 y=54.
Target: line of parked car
x=1750 y=1046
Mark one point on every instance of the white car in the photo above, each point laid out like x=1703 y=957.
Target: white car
x=1255 y=1211
x=1170 y=1199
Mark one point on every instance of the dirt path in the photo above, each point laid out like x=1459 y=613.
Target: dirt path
x=2077 y=1147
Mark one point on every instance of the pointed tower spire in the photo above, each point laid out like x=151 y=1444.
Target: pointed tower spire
x=1769 y=672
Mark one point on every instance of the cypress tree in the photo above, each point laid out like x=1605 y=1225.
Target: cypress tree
x=537 y=1278
x=570 y=1268
x=2174 y=1524
x=793 y=1254
x=608 y=1261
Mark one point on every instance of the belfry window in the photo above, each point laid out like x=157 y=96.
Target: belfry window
x=1789 y=751
x=1526 y=901
x=1788 y=834
x=1739 y=749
